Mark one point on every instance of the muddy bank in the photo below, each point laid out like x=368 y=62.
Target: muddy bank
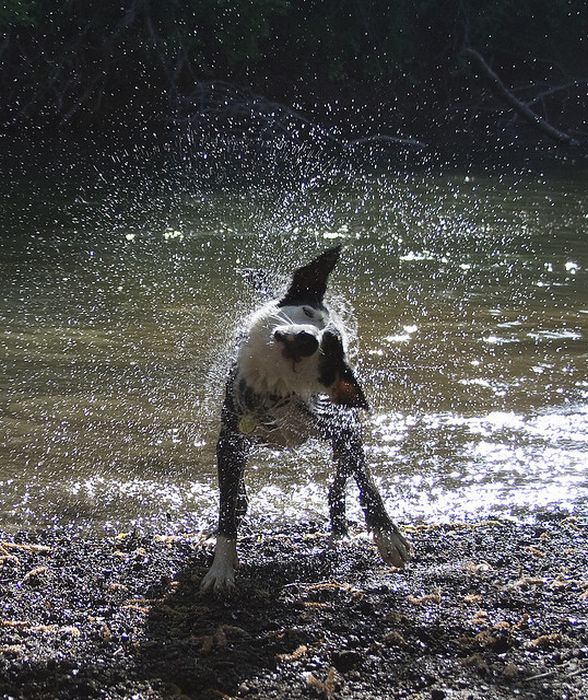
x=486 y=610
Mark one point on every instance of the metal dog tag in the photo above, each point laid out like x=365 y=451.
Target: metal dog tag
x=247 y=424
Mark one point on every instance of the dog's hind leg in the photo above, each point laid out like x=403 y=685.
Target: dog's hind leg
x=232 y=452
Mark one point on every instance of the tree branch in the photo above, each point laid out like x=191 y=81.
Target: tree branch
x=519 y=107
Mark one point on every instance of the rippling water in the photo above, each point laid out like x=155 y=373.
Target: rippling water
x=118 y=307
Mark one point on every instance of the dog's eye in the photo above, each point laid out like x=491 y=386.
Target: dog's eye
x=308 y=311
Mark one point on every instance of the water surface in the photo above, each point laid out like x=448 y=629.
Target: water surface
x=118 y=304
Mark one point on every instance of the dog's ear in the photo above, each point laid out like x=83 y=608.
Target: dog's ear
x=309 y=283
x=336 y=375
x=346 y=390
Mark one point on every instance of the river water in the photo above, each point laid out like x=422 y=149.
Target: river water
x=119 y=298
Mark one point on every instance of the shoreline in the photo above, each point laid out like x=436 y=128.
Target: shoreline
x=488 y=609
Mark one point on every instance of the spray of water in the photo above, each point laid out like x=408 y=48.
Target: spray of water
x=465 y=292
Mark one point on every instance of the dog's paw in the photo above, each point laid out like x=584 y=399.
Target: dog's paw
x=220 y=580
x=392 y=546
x=221 y=577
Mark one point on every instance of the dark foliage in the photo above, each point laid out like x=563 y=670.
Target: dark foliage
x=356 y=67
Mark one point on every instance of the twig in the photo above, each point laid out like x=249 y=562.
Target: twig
x=382 y=138
x=556 y=88
x=555 y=671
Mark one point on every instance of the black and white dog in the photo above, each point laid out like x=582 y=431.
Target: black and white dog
x=291 y=381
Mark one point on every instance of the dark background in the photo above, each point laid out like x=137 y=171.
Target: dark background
x=350 y=69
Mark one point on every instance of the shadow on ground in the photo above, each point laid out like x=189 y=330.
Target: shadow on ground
x=486 y=610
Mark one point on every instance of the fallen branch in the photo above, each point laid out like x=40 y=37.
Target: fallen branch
x=222 y=98
x=384 y=139
x=519 y=107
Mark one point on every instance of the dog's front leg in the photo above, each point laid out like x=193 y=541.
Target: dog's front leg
x=391 y=543
x=232 y=451
x=337 y=495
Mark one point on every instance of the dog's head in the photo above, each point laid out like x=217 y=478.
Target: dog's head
x=296 y=346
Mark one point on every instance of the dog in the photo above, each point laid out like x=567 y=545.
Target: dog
x=291 y=380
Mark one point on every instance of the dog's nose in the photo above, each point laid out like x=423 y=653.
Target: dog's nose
x=301 y=344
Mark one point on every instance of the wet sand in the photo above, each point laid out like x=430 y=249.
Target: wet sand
x=491 y=609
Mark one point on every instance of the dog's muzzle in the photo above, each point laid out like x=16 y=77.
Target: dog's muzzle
x=297 y=345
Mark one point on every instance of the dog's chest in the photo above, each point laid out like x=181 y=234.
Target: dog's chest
x=274 y=421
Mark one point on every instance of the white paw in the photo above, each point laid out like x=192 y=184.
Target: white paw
x=219 y=580
x=221 y=577
x=392 y=546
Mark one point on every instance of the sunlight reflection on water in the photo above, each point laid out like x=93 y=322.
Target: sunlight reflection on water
x=472 y=319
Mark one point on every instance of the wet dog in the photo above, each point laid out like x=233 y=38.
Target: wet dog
x=292 y=380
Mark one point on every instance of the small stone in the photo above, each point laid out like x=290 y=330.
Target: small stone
x=510 y=671
x=346 y=660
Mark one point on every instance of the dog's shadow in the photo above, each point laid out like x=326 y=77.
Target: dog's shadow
x=206 y=646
